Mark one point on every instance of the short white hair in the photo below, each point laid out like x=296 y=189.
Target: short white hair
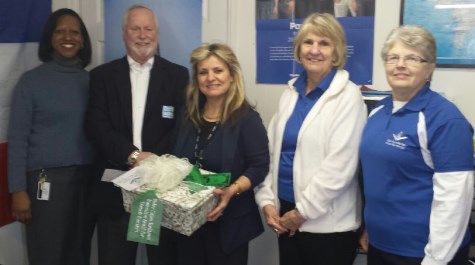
x=125 y=17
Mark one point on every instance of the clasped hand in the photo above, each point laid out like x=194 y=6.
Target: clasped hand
x=290 y=222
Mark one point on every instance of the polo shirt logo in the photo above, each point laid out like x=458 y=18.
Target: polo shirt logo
x=397 y=140
x=400 y=136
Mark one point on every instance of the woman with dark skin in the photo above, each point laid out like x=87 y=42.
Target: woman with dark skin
x=49 y=157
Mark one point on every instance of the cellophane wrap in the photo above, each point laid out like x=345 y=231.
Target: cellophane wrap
x=165 y=172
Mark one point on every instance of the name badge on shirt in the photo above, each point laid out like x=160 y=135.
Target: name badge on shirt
x=44 y=187
x=168 y=112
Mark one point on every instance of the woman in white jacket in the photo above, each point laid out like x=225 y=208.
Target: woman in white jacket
x=310 y=196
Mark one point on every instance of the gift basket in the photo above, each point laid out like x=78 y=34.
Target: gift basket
x=185 y=191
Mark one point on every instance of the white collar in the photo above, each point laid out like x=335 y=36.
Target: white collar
x=135 y=66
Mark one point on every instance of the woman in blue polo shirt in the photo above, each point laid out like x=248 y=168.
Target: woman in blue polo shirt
x=417 y=159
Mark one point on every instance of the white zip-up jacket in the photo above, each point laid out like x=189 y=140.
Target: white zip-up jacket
x=326 y=157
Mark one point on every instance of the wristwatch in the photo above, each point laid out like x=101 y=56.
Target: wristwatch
x=133 y=158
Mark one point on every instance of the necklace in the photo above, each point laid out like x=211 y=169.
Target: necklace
x=199 y=146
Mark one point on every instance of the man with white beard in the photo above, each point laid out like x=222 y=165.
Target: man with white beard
x=132 y=110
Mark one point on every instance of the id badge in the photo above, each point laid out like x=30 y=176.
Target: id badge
x=44 y=187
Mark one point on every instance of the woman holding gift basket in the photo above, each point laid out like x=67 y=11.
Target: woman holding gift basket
x=220 y=132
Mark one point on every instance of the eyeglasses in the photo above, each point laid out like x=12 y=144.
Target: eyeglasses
x=410 y=60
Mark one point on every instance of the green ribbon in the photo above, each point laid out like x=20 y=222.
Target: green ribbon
x=214 y=179
x=145 y=219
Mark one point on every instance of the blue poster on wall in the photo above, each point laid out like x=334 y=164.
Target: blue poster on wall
x=179 y=22
x=275 y=60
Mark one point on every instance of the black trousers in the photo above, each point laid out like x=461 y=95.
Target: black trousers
x=112 y=243
x=379 y=257
x=306 y=248
x=203 y=247
x=61 y=228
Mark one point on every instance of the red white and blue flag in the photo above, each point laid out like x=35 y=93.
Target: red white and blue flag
x=21 y=22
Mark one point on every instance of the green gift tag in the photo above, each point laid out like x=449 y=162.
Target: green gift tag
x=145 y=219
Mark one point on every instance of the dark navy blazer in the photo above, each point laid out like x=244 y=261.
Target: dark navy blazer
x=244 y=152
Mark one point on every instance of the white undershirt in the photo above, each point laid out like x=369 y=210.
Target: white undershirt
x=398 y=104
x=139 y=79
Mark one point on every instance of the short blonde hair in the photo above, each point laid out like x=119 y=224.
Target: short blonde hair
x=326 y=25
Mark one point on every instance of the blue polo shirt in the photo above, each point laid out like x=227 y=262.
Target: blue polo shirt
x=398 y=180
x=289 y=141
